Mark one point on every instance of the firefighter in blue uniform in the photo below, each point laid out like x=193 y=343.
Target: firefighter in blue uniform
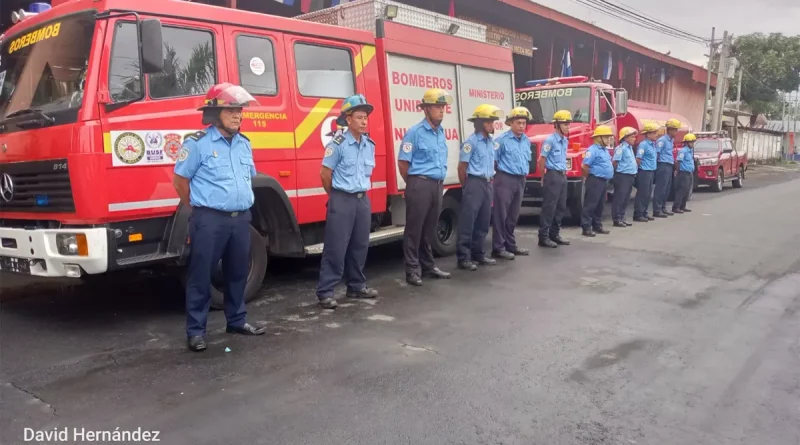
x=475 y=173
x=597 y=170
x=553 y=162
x=213 y=175
x=346 y=171
x=666 y=160
x=422 y=163
x=624 y=173
x=646 y=156
x=684 y=170
x=513 y=165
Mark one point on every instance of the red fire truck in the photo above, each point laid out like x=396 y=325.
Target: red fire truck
x=96 y=97
x=591 y=103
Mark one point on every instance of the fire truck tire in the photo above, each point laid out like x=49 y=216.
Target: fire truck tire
x=444 y=243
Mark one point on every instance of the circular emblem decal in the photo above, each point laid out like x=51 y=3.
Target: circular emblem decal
x=327 y=130
x=153 y=139
x=172 y=145
x=129 y=148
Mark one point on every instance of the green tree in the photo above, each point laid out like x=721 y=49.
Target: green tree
x=771 y=64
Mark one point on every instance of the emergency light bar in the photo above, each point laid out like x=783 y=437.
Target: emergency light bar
x=556 y=80
x=34 y=8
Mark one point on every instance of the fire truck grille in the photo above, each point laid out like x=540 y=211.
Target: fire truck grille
x=38 y=186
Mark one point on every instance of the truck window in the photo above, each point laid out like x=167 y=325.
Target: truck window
x=544 y=103
x=123 y=70
x=604 y=111
x=707 y=146
x=44 y=67
x=324 y=71
x=256 y=65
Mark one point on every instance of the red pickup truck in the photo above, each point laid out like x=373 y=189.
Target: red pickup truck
x=718 y=161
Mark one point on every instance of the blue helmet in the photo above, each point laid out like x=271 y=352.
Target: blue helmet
x=353 y=103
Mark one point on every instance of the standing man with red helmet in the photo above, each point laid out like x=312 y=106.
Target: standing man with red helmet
x=213 y=175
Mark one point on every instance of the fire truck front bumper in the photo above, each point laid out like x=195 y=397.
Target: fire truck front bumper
x=54 y=252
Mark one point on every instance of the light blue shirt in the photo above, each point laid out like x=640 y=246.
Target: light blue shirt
x=219 y=172
x=478 y=152
x=352 y=162
x=554 y=150
x=646 y=151
x=626 y=161
x=425 y=149
x=664 y=147
x=599 y=162
x=514 y=155
x=686 y=159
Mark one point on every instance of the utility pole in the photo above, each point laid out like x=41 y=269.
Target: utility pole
x=711 y=52
x=719 y=97
x=739 y=90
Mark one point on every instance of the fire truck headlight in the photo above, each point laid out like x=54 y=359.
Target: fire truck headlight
x=73 y=244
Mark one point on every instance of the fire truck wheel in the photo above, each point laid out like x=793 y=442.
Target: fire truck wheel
x=255 y=276
x=444 y=244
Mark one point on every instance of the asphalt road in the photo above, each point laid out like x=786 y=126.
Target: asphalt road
x=678 y=331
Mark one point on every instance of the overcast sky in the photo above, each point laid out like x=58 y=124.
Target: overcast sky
x=736 y=16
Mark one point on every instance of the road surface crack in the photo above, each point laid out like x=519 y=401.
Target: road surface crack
x=36 y=397
x=419 y=348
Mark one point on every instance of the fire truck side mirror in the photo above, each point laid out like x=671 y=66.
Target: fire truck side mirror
x=621 y=102
x=151 y=44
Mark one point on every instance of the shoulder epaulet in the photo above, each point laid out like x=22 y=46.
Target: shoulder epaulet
x=197 y=135
x=338 y=139
x=244 y=136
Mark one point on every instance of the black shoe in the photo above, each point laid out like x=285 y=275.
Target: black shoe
x=660 y=215
x=547 y=242
x=413 y=279
x=678 y=211
x=196 y=343
x=601 y=231
x=328 y=303
x=245 y=329
x=686 y=210
x=620 y=224
x=560 y=241
x=485 y=262
x=668 y=213
x=467 y=265
x=588 y=233
x=437 y=273
x=520 y=251
x=365 y=293
x=503 y=254
x=627 y=223
x=650 y=218
x=641 y=219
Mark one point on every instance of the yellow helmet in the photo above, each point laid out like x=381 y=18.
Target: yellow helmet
x=649 y=127
x=674 y=123
x=602 y=130
x=627 y=131
x=562 y=116
x=487 y=112
x=517 y=113
x=690 y=137
x=436 y=96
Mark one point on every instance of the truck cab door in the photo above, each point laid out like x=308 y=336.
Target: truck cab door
x=258 y=63
x=324 y=74
x=726 y=159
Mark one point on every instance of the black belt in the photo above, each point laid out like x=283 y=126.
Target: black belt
x=221 y=212
x=358 y=195
x=511 y=174
x=666 y=163
x=438 y=181
x=559 y=172
x=480 y=177
x=598 y=177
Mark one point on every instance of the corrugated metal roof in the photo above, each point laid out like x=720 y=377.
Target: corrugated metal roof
x=782 y=126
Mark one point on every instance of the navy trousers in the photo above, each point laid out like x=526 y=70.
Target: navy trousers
x=473 y=224
x=217 y=235
x=623 y=184
x=644 y=188
x=554 y=204
x=663 y=184
x=683 y=185
x=347 y=228
x=594 y=201
x=508 y=191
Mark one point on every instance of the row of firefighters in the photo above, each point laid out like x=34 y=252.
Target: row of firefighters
x=491 y=171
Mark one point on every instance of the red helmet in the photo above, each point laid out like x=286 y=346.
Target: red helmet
x=227 y=95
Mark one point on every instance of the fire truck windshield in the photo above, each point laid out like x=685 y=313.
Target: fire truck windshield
x=544 y=103
x=43 y=69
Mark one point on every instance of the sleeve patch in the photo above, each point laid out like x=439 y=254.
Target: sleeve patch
x=641 y=151
x=467 y=148
x=328 y=152
x=660 y=145
x=588 y=154
x=407 y=147
x=338 y=139
x=184 y=153
x=547 y=148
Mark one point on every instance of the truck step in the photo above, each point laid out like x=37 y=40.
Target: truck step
x=153 y=257
x=380 y=236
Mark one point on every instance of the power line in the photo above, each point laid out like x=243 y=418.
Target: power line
x=651 y=20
